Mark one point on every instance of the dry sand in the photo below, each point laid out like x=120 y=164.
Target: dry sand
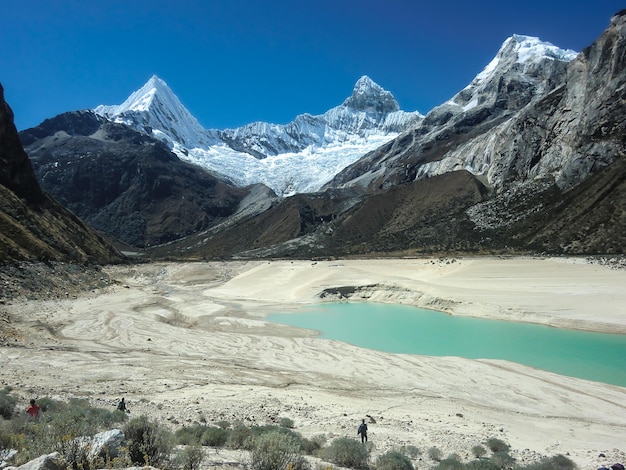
x=188 y=343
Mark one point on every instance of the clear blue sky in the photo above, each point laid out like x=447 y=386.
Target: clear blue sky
x=232 y=62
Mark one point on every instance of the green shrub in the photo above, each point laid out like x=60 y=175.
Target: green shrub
x=452 y=463
x=479 y=451
x=286 y=423
x=190 y=458
x=277 y=451
x=497 y=445
x=314 y=445
x=223 y=424
x=435 y=454
x=148 y=444
x=481 y=465
x=393 y=460
x=411 y=451
x=239 y=437
x=502 y=459
x=561 y=462
x=7 y=404
x=62 y=423
x=189 y=435
x=347 y=452
x=214 y=437
x=558 y=462
x=49 y=405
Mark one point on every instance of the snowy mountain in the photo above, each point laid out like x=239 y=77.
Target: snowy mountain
x=463 y=133
x=525 y=59
x=297 y=157
x=528 y=157
x=154 y=109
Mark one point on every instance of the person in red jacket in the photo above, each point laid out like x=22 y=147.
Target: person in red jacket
x=33 y=410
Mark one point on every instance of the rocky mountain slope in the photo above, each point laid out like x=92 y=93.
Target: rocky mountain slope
x=123 y=182
x=558 y=120
x=34 y=226
x=528 y=158
x=462 y=133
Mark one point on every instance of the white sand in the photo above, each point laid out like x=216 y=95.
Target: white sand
x=188 y=342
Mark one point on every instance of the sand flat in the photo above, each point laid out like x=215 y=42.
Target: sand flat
x=187 y=342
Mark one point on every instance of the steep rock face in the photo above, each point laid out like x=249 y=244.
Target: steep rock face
x=567 y=126
x=370 y=97
x=123 y=182
x=16 y=171
x=458 y=135
x=33 y=226
x=579 y=128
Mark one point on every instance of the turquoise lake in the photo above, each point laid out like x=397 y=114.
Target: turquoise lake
x=405 y=329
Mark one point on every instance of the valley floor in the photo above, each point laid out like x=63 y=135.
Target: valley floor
x=187 y=343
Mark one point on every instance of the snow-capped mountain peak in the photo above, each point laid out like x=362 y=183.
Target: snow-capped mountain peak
x=524 y=62
x=525 y=50
x=154 y=108
x=142 y=99
x=371 y=97
x=297 y=157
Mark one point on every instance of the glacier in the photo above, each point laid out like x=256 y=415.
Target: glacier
x=293 y=158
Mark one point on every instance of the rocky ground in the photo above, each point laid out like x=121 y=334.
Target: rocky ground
x=186 y=343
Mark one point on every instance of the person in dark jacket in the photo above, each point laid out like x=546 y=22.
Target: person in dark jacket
x=362 y=431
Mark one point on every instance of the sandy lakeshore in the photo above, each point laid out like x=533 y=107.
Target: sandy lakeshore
x=188 y=343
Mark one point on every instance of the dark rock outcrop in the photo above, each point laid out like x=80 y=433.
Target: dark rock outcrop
x=33 y=226
x=16 y=171
x=124 y=182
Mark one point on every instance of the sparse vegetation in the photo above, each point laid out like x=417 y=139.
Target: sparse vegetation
x=479 y=451
x=435 y=454
x=347 y=452
x=148 y=443
x=286 y=423
x=214 y=437
x=275 y=450
x=450 y=463
x=65 y=426
x=189 y=458
x=558 y=462
x=58 y=430
x=314 y=445
x=239 y=437
x=502 y=459
x=497 y=445
x=393 y=460
x=7 y=403
x=412 y=451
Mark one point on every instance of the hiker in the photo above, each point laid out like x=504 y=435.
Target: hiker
x=122 y=405
x=33 y=410
x=615 y=466
x=362 y=431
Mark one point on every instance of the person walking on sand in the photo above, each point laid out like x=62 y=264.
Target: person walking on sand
x=362 y=431
x=34 y=411
x=122 y=406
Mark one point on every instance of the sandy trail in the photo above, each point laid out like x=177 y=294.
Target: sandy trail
x=188 y=343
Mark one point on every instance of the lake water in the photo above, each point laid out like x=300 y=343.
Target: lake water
x=405 y=329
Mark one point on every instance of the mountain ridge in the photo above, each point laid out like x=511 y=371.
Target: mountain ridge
x=284 y=153
x=467 y=178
